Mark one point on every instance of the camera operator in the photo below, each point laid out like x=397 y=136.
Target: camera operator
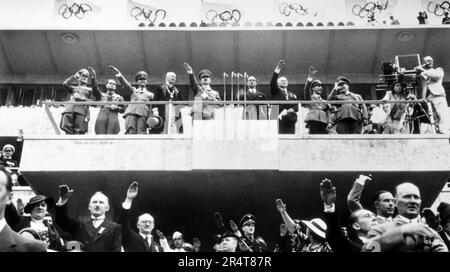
x=396 y=112
x=432 y=88
x=348 y=118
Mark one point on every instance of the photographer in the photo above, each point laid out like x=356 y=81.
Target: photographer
x=432 y=88
x=348 y=118
x=396 y=112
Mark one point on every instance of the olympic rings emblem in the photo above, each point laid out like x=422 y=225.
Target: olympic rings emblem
x=142 y=14
x=369 y=9
x=438 y=9
x=286 y=9
x=79 y=10
x=228 y=17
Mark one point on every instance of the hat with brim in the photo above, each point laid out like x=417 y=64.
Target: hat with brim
x=343 y=79
x=204 y=73
x=228 y=234
x=9 y=146
x=246 y=219
x=316 y=83
x=317 y=226
x=141 y=75
x=35 y=200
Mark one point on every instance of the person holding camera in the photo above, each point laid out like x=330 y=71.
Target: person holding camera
x=349 y=118
x=396 y=112
x=432 y=88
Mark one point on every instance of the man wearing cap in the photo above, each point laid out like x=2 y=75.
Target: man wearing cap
x=139 y=116
x=288 y=112
x=253 y=244
x=96 y=233
x=133 y=241
x=6 y=159
x=227 y=242
x=202 y=92
x=433 y=90
x=108 y=118
x=349 y=118
x=178 y=242
x=75 y=118
x=169 y=92
x=406 y=232
x=35 y=225
x=317 y=118
x=10 y=241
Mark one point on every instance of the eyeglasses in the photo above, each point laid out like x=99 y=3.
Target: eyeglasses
x=8 y=150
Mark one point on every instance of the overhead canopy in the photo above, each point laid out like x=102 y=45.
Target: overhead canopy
x=48 y=56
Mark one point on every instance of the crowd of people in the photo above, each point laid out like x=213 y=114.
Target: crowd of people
x=322 y=118
x=397 y=224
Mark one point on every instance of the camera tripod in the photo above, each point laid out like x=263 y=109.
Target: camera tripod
x=417 y=114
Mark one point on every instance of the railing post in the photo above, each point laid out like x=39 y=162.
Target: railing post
x=299 y=124
x=52 y=121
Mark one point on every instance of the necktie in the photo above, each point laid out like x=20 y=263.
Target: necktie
x=109 y=98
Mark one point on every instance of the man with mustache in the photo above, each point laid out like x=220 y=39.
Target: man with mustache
x=406 y=232
x=96 y=233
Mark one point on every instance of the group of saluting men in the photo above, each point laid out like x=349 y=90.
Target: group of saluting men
x=398 y=225
x=322 y=118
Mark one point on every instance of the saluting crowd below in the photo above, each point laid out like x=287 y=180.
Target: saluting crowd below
x=397 y=224
x=322 y=117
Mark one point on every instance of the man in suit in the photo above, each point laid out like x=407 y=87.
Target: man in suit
x=252 y=94
x=10 y=241
x=139 y=116
x=433 y=90
x=406 y=232
x=96 y=233
x=348 y=118
x=383 y=200
x=279 y=90
x=168 y=92
x=133 y=241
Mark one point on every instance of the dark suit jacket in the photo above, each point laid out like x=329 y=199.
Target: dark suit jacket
x=336 y=237
x=106 y=238
x=277 y=94
x=11 y=241
x=132 y=241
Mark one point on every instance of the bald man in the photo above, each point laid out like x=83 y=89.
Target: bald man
x=168 y=92
x=434 y=91
x=133 y=241
x=279 y=91
x=407 y=232
x=96 y=233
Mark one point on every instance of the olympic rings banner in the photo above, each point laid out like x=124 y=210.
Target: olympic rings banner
x=118 y=14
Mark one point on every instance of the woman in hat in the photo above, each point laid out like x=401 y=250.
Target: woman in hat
x=396 y=112
x=75 y=118
x=35 y=226
x=139 y=116
x=203 y=92
x=316 y=231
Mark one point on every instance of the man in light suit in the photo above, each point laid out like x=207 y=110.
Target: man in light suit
x=10 y=241
x=431 y=79
x=96 y=233
x=406 y=232
x=133 y=241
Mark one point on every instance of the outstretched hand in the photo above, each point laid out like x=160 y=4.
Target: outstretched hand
x=92 y=72
x=281 y=207
x=188 y=68
x=160 y=234
x=64 y=192
x=312 y=71
x=280 y=64
x=218 y=219
x=196 y=243
x=432 y=220
x=132 y=191
x=114 y=69
x=327 y=192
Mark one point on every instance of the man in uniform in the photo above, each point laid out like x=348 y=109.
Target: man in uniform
x=202 y=92
x=348 y=118
x=250 y=242
x=139 y=116
x=75 y=118
x=279 y=91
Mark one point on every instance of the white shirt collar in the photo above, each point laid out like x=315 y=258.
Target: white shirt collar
x=2 y=224
x=145 y=236
x=414 y=220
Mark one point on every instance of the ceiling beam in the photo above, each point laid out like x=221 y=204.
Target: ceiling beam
x=142 y=47
x=48 y=47
x=329 y=58
x=375 y=64
x=236 y=48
